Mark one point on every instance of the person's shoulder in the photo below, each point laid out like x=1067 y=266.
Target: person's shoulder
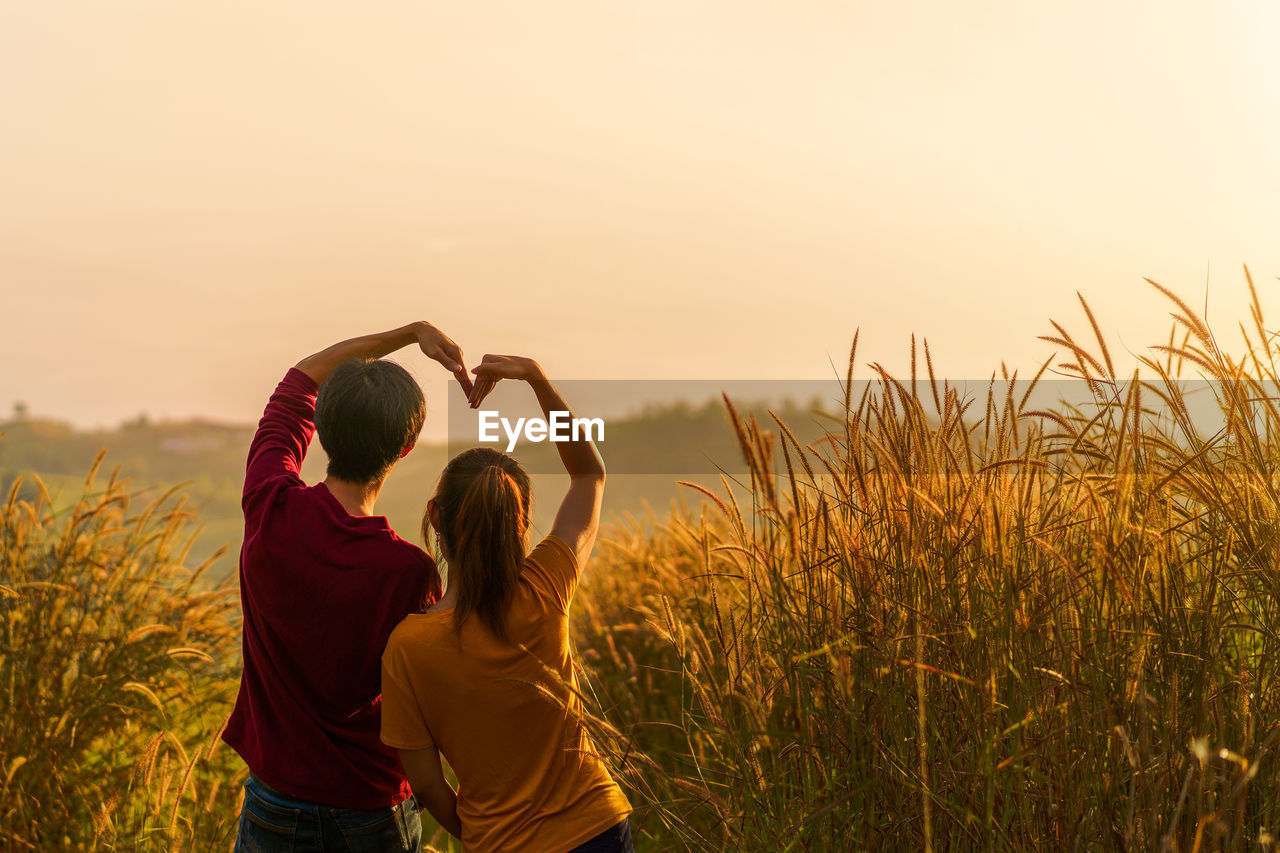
x=405 y=636
x=410 y=551
x=552 y=568
x=553 y=553
x=266 y=498
x=403 y=558
x=274 y=482
x=418 y=640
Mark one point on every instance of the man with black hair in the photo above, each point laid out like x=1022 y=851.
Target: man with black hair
x=323 y=582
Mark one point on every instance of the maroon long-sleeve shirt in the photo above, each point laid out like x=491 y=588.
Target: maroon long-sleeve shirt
x=321 y=591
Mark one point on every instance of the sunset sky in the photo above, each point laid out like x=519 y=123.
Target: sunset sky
x=195 y=195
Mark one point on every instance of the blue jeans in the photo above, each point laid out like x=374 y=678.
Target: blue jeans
x=616 y=839
x=271 y=822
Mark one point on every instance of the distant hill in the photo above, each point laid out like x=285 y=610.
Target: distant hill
x=678 y=441
x=208 y=456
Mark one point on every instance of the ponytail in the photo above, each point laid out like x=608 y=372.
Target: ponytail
x=483 y=499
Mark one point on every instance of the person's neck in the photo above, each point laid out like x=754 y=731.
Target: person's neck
x=449 y=599
x=356 y=498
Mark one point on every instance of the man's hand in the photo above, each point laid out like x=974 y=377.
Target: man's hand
x=494 y=368
x=436 y=345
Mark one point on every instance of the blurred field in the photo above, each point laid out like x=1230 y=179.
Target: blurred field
x=951 y=623
x=206 y=460
x=119 y=666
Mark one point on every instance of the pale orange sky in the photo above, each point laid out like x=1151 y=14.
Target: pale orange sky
x=193 y=196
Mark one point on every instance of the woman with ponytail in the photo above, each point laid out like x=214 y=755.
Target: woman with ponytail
x=484 y=677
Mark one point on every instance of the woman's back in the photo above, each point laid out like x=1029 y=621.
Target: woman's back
x=504 y=715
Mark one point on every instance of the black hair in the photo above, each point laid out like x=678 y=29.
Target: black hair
x=367 y=412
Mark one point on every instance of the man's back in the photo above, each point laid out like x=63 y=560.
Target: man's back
x=321 y=591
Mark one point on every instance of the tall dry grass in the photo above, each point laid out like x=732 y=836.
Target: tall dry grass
x=965 y=623
x=958 y=622
x=115 y=672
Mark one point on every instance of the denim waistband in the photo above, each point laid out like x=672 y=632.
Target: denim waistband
x=257 y=780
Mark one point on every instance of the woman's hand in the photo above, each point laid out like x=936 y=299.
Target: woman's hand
x=494 y=368
x=579 y=514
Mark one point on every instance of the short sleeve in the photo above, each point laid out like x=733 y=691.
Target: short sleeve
x=552 y=568
x=402 y=724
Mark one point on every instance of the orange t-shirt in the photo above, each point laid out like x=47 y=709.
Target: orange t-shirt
x=528 y=776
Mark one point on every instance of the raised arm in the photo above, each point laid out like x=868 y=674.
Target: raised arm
x=434 y=344
x=579 y=515
x=287 y=424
